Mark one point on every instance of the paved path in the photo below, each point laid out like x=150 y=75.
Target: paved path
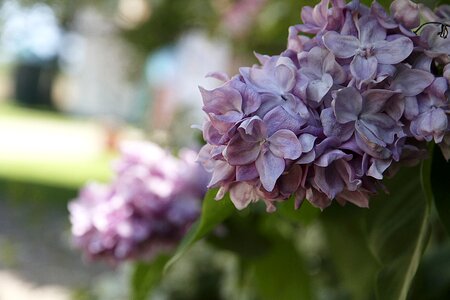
x=36 y=258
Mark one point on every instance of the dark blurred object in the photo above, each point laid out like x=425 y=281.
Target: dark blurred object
x=33 y=83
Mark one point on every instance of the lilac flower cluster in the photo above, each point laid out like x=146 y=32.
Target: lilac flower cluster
x=147 y=208
x=333 y=114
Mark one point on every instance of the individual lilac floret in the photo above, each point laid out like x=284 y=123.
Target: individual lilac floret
x=145 y=210
x=373 y=129
x=369 y=49
x=330 y=117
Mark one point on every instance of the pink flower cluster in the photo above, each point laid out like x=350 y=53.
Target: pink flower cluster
x=145 y=210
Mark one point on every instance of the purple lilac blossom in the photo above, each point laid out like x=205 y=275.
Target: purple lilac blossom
x=336 y=112
x=145 y=210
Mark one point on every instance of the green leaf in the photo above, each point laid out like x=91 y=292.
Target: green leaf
x=398 y=228
x=213 y=213
x=146 y=276
x=440 y=184
x=242 y=235
x=305 y=215
x=432 y=281
x=377 y=251
x=354 y=263
x=281 y=273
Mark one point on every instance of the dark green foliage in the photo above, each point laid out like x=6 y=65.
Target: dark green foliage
x=440 y=182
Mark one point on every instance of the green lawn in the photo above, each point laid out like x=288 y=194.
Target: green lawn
x=75 y=154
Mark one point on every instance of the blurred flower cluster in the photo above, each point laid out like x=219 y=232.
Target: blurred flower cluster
x=145 y=210
x=332 y=115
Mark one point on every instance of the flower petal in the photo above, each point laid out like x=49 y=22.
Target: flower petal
x=381 y=125
x=221 y=100
x=318 y=88
x=412 y=82
x=270 y=168
x=406 y=12
x=370 y=30
x=378 y=167
x=331 y=128
x=430 y=125
x=278 y=118
x=342 y=46
x=253 y=129
x=285 y=77
x=242 y=194
x=246 y=172
x=222 y=171
x=358 y=198
x=347 y=105
x=331 y=67
x=328 y=181
x=284 y=143
x=328 y=157
x=393 y=52
x=375 y=99
x=240 y=152
x=307 y=142
x=363 y=68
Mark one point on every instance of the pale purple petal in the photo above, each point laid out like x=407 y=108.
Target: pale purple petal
x=347 y=105
x=395 y=107
x=268 y=102
x=222 y=172
x=331 y=67
x=242 y=194
x=318 y=88
x=378 y=167
x=251 y=100
x=363 y=68
x=342 y=46
x=385 y=20
x=222 y=76
x=423 y=62
x=375 y=99
x=221 y=100
x=270 y=168
x=348 y=174
x=332 y=128
x=240 y=152
x=328 y=181
x=307 y=158
x=374 y=149
x=284 y=143
x=370 y=30
x=381 y=125
x=285 y=77
x=411 y=108
x=393 y=52
x=430 y=125
x=406 y=12
x=246 y=172
x=278 y=118
x=253 y=129
x=328 y=157
x=307 y=142
x=412 y=82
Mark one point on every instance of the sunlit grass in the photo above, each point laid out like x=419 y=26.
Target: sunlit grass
x=50 y=148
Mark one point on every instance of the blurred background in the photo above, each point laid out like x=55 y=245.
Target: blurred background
x=78 y=76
